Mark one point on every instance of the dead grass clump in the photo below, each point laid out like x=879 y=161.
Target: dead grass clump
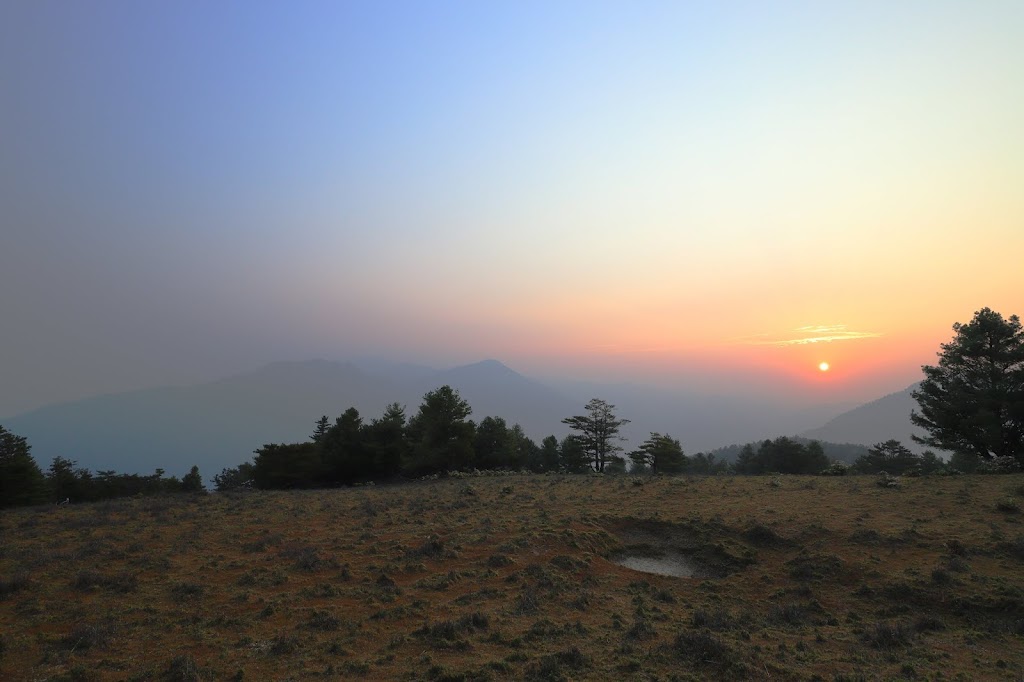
x=716 y=619
x=889 y=635
x=1008 y=506
x=261 y=544
x=324 y=621
x=307 y=558
x=567 y=563
x=703 y=649
x=763 y=536
x=87 y=636
x=88 y=579
x=15 y=583
x=866 y=536
x=526 y=602
x=449 y=631
x=928 y=623
x=554 y=667
x=284 y=644
x=499 y=561
x=186 y=591
x=807 y=567
x=182 y=668
x=1013 y=548
x=433 y=547
x=641 y=629
x=792 y=614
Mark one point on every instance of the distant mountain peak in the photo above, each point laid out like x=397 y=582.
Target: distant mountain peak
x=488 y=364
x=877 y=421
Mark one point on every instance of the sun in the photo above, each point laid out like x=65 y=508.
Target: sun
x=823 y=366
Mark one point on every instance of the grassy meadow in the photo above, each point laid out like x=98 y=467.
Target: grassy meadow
x=514 y=577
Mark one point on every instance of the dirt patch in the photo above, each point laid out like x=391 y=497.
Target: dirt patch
x=682 y=550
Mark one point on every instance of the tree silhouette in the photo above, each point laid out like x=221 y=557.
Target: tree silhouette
x=21 y=480
x=973 y=400
x=598 y=432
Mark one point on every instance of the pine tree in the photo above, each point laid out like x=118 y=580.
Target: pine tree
x=21 y=480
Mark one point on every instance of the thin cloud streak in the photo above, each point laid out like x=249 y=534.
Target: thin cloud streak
x=812 y=334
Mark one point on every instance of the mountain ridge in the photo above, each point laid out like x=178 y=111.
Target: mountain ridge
x=219 y=423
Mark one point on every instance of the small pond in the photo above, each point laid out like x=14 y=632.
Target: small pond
x=670 y=563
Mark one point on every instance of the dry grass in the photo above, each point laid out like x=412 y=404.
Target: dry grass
x=510 y=578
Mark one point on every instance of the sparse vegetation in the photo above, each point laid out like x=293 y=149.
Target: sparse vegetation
x=836 y=580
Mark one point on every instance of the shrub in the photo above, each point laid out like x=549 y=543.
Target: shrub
x=551 y=667
x=888 y=481
x=999 y=465
x=183 y=591
x=450 y=630
x=789 y=614
x=323 y=620
x=498 y=561
x=183 y=668
x=702 y=648
x=284 y=644
x=836 y=469
x=763 y=536
x=888 y=635
x=719 y=619
x=121 y=582
x=1008 y=506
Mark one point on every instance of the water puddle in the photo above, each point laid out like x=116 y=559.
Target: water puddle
x=671 y=563
x=679 y=550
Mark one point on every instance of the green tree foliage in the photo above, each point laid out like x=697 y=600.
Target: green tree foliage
x=440 y=435
x=548 y=455
x=746 y=461
x=598 y=432
x=572 y=455
x=492 y=444
x=705 y=464
x=343 y=452
x=21 y=480
x=661 y=454
x=521 y=449
x=322 y=424
x=385 y=442
x=973 y=400
x=892 y=457
x=296 y=465
x=192 y=482
x=964 y=462
x=69 y=483
x=615 y=465
x=930 y=463
x=235 y=477
x=782 y=455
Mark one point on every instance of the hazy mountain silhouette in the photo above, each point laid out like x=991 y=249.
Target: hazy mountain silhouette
x=219 y=424
x=874 y=422
x=701 y=421
x=213 y=425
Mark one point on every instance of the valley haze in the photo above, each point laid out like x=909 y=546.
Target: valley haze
x=219 y=424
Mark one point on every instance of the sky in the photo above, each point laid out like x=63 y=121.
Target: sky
x=712 y=195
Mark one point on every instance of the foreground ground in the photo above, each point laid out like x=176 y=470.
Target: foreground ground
x=515 y=577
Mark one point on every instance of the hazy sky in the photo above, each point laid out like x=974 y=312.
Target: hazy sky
x=665 y=192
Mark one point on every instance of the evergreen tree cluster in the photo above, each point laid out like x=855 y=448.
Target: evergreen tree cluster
x=23 y=483
x=892 y=457
x=781 y=456
x=439 y=438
